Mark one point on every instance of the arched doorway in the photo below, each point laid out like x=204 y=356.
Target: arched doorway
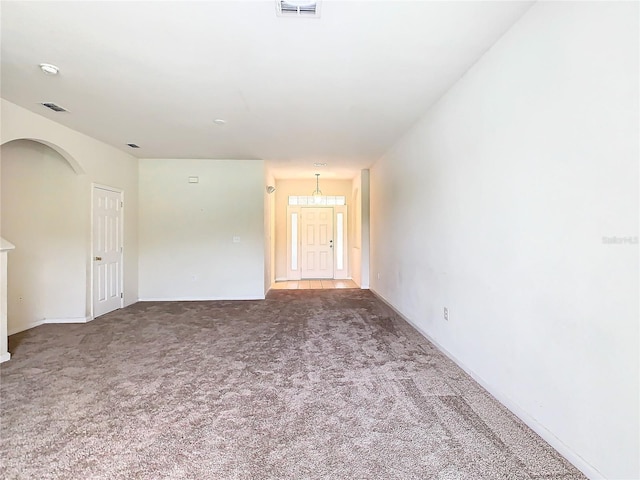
x=45 y=215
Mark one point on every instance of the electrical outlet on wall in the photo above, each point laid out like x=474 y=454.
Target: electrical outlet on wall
x=446 y=314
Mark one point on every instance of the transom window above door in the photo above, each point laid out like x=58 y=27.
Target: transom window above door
x=318 y=200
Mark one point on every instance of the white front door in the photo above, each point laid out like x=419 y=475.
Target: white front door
x=107 y=250
x=317 y=243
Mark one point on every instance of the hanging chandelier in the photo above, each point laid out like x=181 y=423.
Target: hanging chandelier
x=317 y=193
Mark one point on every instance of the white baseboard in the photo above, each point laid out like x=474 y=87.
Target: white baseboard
x=5 y=357
x=199 y=299
x=68 y=320
x=580 y=463
x=21 y=328
x=37 y=323
x=285 y=279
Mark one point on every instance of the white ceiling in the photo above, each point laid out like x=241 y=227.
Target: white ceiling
x=339 y=89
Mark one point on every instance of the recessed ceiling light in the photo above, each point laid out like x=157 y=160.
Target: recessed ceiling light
x=219 y=121
x=49 y=69
x=318 y=164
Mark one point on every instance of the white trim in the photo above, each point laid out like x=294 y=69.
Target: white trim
x=22 y=328
x=563 y=449
x=68 y=320
x=6 y=245
x=343 y=273
x=285 y=279
x=297 y=273
x=201 y=299
x=5 y=357
x=303 y=232
x=48 y=321
x=310 y=201
x=106 y=187
x=91 y=284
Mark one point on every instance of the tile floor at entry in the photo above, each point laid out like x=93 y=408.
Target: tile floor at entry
x=313 y=284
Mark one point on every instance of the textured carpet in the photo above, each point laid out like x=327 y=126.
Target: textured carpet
x=305 y=385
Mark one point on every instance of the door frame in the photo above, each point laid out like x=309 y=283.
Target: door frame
x=294 y=270
x=95 y=186
x=330 y=249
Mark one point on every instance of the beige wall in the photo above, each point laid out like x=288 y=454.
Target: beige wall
x=43 y=213
x=270 y=232
x=359 y=228
x=498 y=204
x=56 y=215
x=285 y=188
x=187 y=230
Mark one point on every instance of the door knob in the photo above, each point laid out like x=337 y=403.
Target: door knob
x=98 y=259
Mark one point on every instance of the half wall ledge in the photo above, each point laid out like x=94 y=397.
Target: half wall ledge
x=5 y=247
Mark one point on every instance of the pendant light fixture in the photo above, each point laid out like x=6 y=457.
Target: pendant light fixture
x=317 y=194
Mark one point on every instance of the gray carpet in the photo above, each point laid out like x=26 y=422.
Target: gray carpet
x=317 y=384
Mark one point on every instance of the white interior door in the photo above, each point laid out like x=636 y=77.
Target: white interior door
x=107 y=250
x=317 y=243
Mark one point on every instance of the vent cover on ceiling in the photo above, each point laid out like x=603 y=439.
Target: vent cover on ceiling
x=298 y=8
x=53 y=106
x=133 y=145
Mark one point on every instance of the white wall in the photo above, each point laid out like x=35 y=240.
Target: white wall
x=359 y=224
x=187 y=229
x=355 y=230
x=270 y=232
x=287 y=187
x=496 y=204
x=46 y=207
x=5 y=248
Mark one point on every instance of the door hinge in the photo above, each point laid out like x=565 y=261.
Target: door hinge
x=121 y=204
x=121 y=295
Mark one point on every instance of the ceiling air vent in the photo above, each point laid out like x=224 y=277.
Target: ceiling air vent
x=133 y=145
x=53 y=106
x=298 y=8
